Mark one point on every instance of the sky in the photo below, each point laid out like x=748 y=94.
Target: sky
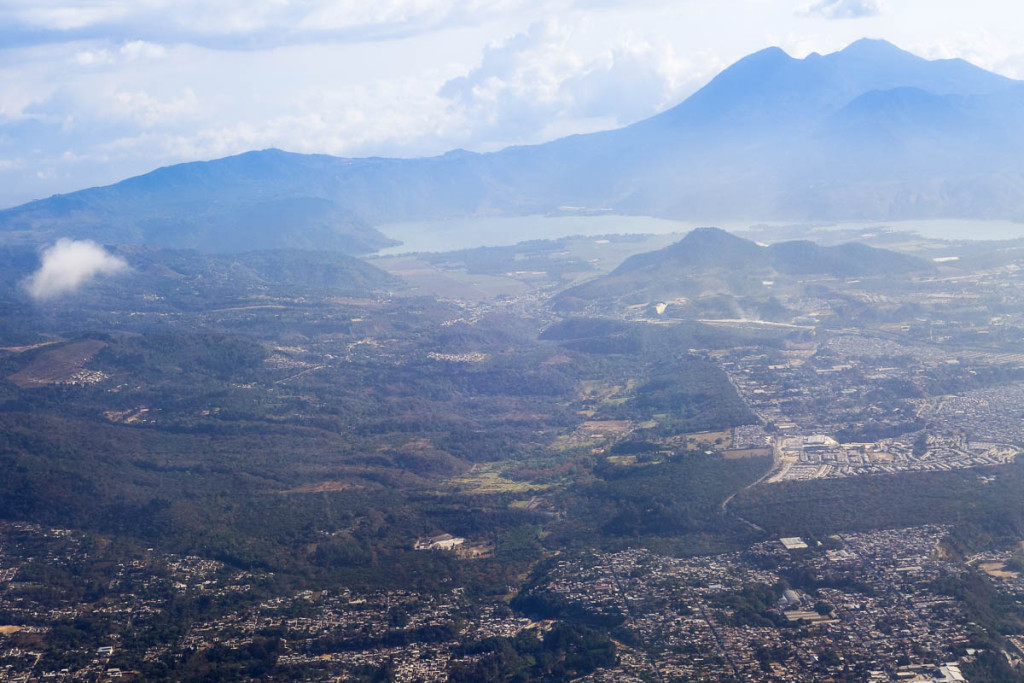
x=95 y=91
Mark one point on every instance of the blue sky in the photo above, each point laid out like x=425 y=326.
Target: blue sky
x=97 y=90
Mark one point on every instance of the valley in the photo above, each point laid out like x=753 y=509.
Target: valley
x=305 y=429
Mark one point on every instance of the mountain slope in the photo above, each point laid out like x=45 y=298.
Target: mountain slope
x=159 y=279
x=258 y=200
x=870 y=132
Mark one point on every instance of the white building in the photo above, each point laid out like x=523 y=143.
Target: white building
x=441 y=542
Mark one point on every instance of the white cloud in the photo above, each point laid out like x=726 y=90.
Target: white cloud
x=637 y=77
x=62 y=15
x=517 y=86
x=93 y=57
x=131 y=51
x=140 y=49
x=148 y=111
x=85 y=108
x=388 y=118
x=537 y=81
x=982 y=48
x=1011 y=66
x=69 y=264
x=845 y=9
x=251 y=24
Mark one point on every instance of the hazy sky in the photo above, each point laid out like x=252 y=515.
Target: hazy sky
x=96 y=90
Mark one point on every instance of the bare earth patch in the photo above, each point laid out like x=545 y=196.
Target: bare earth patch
x=23 y=349
x=61 y=365
x=997 y=570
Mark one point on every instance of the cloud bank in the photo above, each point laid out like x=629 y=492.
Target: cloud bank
x=245 y=24
x=845 y=9
x=527 y=88
x=69 y=264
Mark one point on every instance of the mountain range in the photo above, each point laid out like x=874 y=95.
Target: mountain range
x=870 y=132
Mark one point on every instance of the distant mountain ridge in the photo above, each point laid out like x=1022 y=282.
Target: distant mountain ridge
x=713 y=262
x=870 y=132
x=714 y=248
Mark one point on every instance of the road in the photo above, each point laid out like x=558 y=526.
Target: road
x=776 y=461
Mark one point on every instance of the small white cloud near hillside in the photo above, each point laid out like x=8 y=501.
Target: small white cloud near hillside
x=69 y=264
